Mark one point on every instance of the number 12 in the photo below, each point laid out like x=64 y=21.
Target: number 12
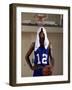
x=44 y=59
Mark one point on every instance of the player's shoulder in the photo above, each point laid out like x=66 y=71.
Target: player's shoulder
x=49 y=46
x=32 y=44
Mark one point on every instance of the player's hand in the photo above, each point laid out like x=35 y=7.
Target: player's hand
x=34 y=67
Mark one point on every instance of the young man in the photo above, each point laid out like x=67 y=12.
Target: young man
x=42 y=52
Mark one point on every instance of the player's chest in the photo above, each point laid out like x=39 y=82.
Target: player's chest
x=42 y=56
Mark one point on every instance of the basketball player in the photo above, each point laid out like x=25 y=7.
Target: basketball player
x=42 y=52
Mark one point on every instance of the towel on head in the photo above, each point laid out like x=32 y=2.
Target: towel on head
x=46 y=41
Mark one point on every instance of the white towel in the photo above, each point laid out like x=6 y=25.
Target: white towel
x=46 y=41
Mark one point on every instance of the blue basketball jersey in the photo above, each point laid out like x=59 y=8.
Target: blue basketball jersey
x=41 y=58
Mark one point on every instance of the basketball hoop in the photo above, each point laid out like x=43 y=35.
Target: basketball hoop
x=40 y=18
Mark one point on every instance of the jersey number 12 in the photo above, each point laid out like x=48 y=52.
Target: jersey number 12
x=44 y=59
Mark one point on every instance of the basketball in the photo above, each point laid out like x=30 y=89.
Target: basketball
x=47 y=71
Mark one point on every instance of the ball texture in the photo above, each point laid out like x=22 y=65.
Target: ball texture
x=47 y=71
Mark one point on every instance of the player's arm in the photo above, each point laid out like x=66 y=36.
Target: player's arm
x=28 y=55
x=51 y=56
